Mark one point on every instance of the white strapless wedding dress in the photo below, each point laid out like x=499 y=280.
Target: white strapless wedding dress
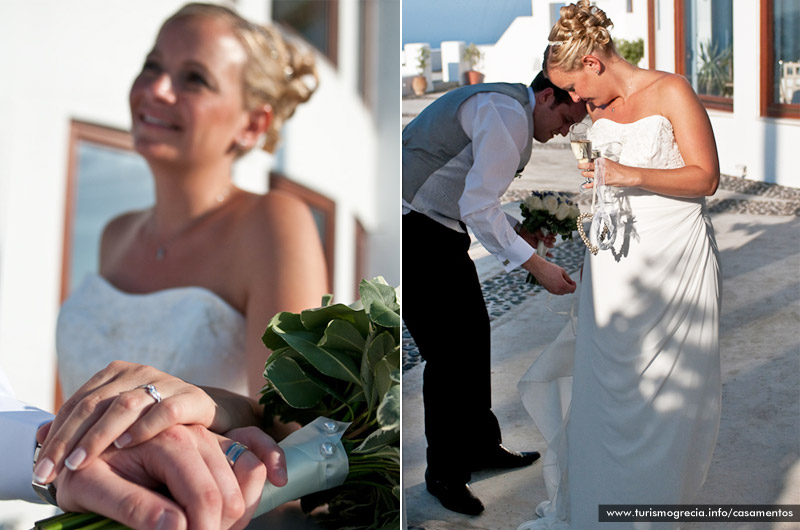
x=188 y=332
x=628 y=398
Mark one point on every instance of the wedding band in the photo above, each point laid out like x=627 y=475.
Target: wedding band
x=235 y=450
x=151 y=389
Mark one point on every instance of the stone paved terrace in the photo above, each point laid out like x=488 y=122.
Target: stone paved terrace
x=757 y=458
x=503 y=291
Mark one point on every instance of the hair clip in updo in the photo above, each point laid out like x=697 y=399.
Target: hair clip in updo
x=555 y=42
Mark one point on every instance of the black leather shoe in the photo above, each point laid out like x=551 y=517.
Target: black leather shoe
x=454 y=496
x=500 y=457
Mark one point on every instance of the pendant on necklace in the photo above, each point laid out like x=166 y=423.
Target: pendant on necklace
x=161 y=253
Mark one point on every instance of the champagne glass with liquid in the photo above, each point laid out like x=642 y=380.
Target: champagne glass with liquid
x=581 y=145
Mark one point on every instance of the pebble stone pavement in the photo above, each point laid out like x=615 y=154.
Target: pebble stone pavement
x=504 y=291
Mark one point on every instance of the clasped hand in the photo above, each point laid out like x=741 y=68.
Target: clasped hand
x=120 y=444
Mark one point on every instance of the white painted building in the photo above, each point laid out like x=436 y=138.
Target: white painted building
x=67 y=68
x=753 y=97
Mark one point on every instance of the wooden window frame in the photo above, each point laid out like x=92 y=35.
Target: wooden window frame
x=332 y=24
x=770 y=108
x=710 y=102
x=360 y=257
x=278 y=181
x=97 y=134
x=651 y=34
x=367 y=51
x=87 y=132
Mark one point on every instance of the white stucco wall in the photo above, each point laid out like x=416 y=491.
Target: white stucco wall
x=760 y=148
x=76 y=60
x=517 y=56
x=750 y=145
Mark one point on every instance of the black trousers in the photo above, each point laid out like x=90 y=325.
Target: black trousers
x=444 y=310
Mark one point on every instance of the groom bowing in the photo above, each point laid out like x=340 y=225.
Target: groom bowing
x=459 y=157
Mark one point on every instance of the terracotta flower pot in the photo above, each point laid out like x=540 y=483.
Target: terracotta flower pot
x=474 y=77
x=419 y=84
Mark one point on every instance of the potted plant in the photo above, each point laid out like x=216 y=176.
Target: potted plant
x=473 y=56
x=715 y=72
x=419 y=84
x=630 y=50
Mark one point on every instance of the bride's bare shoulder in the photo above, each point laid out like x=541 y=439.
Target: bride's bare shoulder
x=668 y=85
x=120 y=229
x=278 y=217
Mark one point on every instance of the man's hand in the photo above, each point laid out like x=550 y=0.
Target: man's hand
x=533 y=238
x=207 y=493
x=551 y=276
x=113 y=408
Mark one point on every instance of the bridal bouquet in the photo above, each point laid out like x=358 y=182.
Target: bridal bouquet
x=335 y=369
x=343 y=362
x=552 y=212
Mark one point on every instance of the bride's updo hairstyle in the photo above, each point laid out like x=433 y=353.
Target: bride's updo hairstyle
x=277 y=72
x=581 y=30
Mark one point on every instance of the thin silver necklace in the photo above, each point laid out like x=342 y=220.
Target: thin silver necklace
x=161 y=248
x=627 y=94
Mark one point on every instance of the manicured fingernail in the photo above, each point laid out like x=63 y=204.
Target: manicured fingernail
x=123 y=440
x=280 y=474
x=42 y=470
x=75 y=459
x=167 y=521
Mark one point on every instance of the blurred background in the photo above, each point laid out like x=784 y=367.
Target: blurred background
x=66 y=164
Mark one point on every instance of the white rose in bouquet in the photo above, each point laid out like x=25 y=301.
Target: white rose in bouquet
x=549 y=212
x=534 y=203
x=562 y=211
x=550 y=204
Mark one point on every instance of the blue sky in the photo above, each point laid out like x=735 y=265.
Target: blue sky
x=478 y=21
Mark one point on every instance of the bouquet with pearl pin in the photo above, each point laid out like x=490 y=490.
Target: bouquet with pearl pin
x=335 y=369
x=338 y=367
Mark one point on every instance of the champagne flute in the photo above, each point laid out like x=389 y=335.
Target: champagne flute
x=581 y=145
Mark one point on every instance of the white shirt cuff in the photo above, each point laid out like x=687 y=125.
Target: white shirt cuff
x=18 y=425
x=518 y=253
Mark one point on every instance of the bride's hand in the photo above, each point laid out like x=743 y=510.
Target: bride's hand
x=114 y=407
x=613 y=174
x=587 y=172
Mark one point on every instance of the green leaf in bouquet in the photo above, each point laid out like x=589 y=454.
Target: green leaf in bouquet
x=380 y=302
x=380 y=346
x=293 y=384
x=377 y=439
x=320 y=316
x=286 y=322
x=383 y=382
x=342 y=335
x=368 y=381
x=330 y=362
x=389 y=409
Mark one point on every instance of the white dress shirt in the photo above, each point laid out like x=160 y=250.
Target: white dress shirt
x=18 y=425
x=498 y=127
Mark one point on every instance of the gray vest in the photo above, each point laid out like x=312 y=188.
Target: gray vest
x=435 y=138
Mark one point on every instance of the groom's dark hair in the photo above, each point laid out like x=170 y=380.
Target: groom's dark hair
x=540 y=82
